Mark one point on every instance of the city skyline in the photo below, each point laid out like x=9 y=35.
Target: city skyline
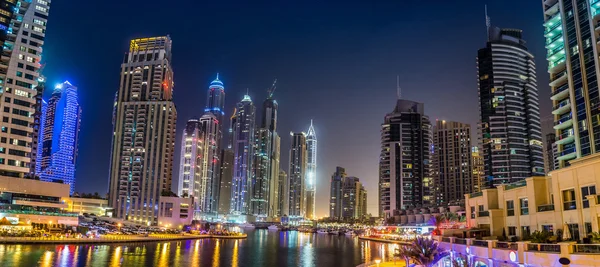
x=377 y=79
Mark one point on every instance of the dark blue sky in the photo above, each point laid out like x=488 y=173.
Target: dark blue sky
x=335 y=62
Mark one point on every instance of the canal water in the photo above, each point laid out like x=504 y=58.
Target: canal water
x=261 y=248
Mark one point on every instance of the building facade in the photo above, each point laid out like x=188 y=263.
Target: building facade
x=144 y=131
x=335 y=191
x=92 y=206
x=38 y=126
x=572 y=54
x=23 y=31
x=311 y=171
x=297 y=176
x=175 y=212
x=190 y=172
x=210 y=167
x=284 y=193
x=226 y=177
x=243 y=149
x=510 y=131
x=478 y=171
x=550 y=148
x=269 y=122
x=261 y=175
x=452 y=162
x=405 y=160
x=60 y=136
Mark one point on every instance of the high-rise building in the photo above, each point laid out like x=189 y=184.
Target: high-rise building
x=405 y=161
x=210 y=167
x=269 y=122
x=215 y=103
x=144 y=131
x=549 y=149
x=190 y=172
x=311 y=171
x=38 y=126
x=243 y=149
x=297 y=169
x=283 y=192
x=60 y=136
x=226 y=177
x=478 y=173
x=22 y=31
x=261 y=176
x=335 y=191
x=571 y=41
x=510 y=129
x=452 y=162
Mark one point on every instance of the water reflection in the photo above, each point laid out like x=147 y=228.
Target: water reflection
x=262 y=248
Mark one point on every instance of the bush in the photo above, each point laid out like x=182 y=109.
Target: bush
x=540 y=237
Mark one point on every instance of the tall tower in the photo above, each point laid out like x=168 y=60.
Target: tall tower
x=452 y=162
x=22 y=32
x=311 y=171
x=144 y=131
x=335 y=190
x=511 y=135
x=478 y=173
x=226 y=177
x=243 y=147
x=261 y=176
x=573 y=64
x=210 y=128
x=190 y=172
x=297 y=191
x=269 y=123
x=60 y=136
x=284 y=193
x=215 y=103
x=405 y=161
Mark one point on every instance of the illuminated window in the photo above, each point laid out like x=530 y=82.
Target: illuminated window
x=41 y=8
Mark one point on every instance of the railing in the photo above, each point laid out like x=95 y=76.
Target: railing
x=515 y=185
x=587 y=248
x=567 y=151
x=506 y=245
x=68 y=214
x=38 y=200
x=484 y=213
x=480 y=243
x=542 y=208
x=553 y=248
x=476 y=194
x=461 y=241
x=560 y=89
x=446 y=239
x=510 y=213
x=561 y=104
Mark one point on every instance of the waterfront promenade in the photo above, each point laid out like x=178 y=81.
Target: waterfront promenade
x=391 y=241
x=112 y=239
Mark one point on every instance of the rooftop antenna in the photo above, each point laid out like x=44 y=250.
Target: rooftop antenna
x=488 y=23
x=271 y=90
x=398 y=90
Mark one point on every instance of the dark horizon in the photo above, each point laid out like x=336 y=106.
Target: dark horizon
x=335 y=64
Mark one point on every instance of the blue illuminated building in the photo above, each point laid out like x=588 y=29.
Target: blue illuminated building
x=59 y=136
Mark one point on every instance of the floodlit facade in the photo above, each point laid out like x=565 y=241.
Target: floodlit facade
x=190 y=172
x=347 y=197
x=243 y=147
x=572 y=39
x=23 y=31
x=59 y=136
x=261 y=176
x=452 y=162
x=209 y=167
x=144 y=131
x=478 y=171
x=511 y=136
x=311 y=171
x=269 y=122
x=297 y=176
x=405 y=159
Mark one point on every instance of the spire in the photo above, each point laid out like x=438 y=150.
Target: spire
x=216 y=81
x=247 y=96
x=271 y=90
x=398 y=90
x=311 y=129
x=488 y=24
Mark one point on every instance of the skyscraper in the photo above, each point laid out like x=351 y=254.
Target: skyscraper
x=550 y=148
x=22 y=30
x=243 y=149
x=511 y=136
x=60 y=136
x=269 y=122
x=478 y=173
x=311 y=171
x=452 y=162
x=38 y=126
x=405 y=161
x=144 y=131
x=190 y=172
x=283 y=192
x=335 y=191
x=226 y=177
x=571 y=41
x=297 y=169
x=210 y=184
x=261 y=176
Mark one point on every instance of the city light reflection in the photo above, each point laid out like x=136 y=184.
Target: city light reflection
x=234 y=260
x=216 y=254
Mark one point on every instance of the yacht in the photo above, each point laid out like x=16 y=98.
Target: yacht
x=334 y=232
x=273 y=227
x=247 y=226
x=322 y=231
x=350 y=233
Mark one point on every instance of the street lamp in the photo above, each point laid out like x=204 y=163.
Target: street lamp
x=377 y=261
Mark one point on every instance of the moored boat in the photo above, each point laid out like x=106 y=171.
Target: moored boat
x=273 y=227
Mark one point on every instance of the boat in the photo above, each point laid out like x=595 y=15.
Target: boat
x=247 y=226
x=322 y=231
x=273 y=227
x=334 y=232
x=350 y=233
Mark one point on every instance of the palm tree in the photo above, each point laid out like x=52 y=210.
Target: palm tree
x=422 y=251
x=437 y=221
x=462 y=261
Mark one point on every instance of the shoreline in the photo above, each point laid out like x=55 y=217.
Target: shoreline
x=108 y=240
x=384 y=240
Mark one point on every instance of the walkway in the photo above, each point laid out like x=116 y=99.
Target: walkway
x=110 y=239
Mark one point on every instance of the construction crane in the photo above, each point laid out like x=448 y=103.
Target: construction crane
x=271 y=90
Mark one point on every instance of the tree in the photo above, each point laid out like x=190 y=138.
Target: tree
x=422 y=251
x=437 y=221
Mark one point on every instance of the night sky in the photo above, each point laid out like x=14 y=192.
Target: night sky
x=335 y=63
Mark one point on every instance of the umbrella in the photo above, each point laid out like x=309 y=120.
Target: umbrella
x=566 y=232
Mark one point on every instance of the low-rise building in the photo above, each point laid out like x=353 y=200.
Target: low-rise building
x=33 y=201
x=567 y=197
x=92 y=206
x=175 y=212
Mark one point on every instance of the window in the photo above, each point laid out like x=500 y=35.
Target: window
x=525 y=232
x=29 y=59
x=588 y=228
x=168 y=210
x=548 y=228
x=524 y=205
x=41 y=8
x=21 y=93
x=20 y=122
x=481 y=208
x=574 y=229
x=510 y=208
x=20 y=65
x=512 y=230
x=569 y=199
x=21 y=103
x=2 y=150
x=587 y=191
x=7 y=99
x=472 y=212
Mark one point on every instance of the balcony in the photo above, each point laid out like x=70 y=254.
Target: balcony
x=551 y=248
x=542 y=208
x=560 y=92
x=562 y=107
x=567 y=154
x=563 y=123
x=485 y=213
x=476 y=194
x=559 y=79
x=515 y=185
x=565 y=138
